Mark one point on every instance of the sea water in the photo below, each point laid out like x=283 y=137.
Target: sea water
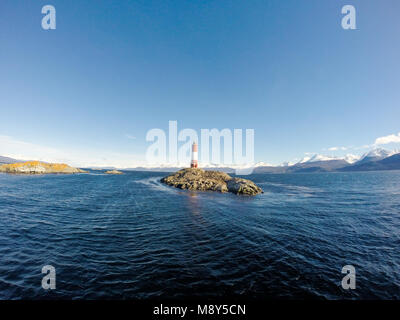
x=129 y=236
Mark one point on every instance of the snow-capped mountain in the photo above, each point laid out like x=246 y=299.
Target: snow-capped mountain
x=313 y=158
x=391 y=162
x=350 y=158
x=287 y=164
x=263 y=164
x=320 y=157
x=375 y=155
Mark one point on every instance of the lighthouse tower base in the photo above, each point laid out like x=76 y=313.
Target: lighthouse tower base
x=194 y=164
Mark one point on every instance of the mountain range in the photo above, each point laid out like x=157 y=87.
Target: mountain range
x=374 y=160
x=377 y=159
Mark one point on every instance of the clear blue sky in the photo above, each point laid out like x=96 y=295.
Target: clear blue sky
x=284 y=68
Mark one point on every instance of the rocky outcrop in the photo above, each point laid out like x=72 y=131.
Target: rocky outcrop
x=243 y=186
x=199 y=179
x=114 y=172
x=37 y=167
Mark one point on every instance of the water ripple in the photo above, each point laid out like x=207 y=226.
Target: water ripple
x=130 y=236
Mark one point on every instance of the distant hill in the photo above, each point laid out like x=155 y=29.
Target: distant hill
x=389 y=163
x=173 y=169
x=38 y=167
x=318 y=166
x=374 y=155
x=377 y=159
x=7 y=160
x=304 y=167
x=155 y=169
x=270 y=169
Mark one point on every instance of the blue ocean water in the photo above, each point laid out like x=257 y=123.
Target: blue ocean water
x=129 y=236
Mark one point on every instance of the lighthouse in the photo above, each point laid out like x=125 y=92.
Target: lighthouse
x=194 y=163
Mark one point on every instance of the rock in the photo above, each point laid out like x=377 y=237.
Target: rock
x=243 y=186
x=199 y=179
x=114 y=172
x=37 y=167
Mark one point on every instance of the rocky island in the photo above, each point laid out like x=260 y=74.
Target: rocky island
x=199 y=179
x=37 y=167
x=114 y=172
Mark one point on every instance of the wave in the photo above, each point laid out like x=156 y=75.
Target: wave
x=155 y=183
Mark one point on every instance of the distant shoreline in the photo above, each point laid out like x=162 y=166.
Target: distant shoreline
x=376 y=160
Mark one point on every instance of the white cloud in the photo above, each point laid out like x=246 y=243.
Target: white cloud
x=392 y=138
x=337 y=148
x=21 y=150
x=366 y=146
x=130 y=137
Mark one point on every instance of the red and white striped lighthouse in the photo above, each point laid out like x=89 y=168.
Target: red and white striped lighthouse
x=194 y=163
